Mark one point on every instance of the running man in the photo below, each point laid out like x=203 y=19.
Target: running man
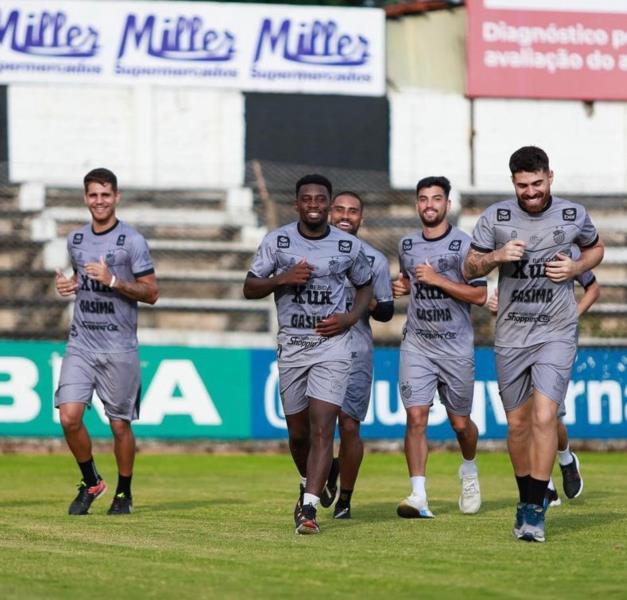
x=347 y=213
x=306 y=265
x=437 y=351
x=572 y=481
x=113 y=271
x=529 y=238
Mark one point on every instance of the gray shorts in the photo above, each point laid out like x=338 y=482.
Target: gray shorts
x=357 y=398
x=323 y=381
x=454 y=379
x=544 y=367
x=114 y=376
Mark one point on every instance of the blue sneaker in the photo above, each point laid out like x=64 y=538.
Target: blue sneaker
x=520 y=520
x=533 y=524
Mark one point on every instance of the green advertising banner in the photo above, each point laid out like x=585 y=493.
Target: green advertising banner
x=186 y=392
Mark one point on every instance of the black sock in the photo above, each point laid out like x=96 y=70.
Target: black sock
x=345 y=497
x=537 y=489
x=124 y=485
x=523 y=488
x=88 y=470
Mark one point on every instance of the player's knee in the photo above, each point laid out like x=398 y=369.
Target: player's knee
x=416 y=424
x=349 y=427
x=70 y=422
x=120 y=429
x=461 y=426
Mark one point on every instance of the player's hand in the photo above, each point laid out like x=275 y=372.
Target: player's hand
x=300 y=273
x=561 y=269
x=400 y=286
x=493 y=302
x=334 y=325
x=98 y=271
x=66 y=286
x=426 y=274
x=511 y=252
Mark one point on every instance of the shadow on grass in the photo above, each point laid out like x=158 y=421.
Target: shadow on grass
x=189 y=505
x=561 y=524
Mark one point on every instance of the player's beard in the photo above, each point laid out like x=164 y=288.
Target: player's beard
x=536 y=207
x=433 y=221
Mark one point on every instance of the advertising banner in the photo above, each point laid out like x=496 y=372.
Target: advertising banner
x=219 y=393
x=547 y=49
x=250 y=47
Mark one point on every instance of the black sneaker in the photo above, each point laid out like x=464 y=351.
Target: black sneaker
x=306 y=523
x=86 y=495
x=551 y=498
x=329 y=492
x=571 y=478
x=342 y=510
x=121 y=505
x=299 y=504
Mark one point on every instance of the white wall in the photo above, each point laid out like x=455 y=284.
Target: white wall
x=150 y=136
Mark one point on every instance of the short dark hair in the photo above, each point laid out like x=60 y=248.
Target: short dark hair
x=530 y=159
x=315 y=179
x=352 y=195
x=440 y=181
x=101 y=176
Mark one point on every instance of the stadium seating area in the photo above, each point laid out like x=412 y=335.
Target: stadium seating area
x=202 y=242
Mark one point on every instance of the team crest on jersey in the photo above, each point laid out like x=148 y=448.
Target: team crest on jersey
x=78 y=238
x=559 y=236
x=569 y=214
x=109 y=257
x=503 y=214
x=345 y=246
x=282 y=241
x=455 y=245
x=407 y=245
x=121 y=240
x=442 y=264
x=513 y=234
x=370 y=260
x=334 y=266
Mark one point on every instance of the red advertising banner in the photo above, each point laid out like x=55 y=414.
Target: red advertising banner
x=551 y=49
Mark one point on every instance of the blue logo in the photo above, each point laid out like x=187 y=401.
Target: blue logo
x=47 y=34
x=77 y=239
x=312 y=43
x=178 y=39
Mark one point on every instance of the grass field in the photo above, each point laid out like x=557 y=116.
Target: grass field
x=208 y=526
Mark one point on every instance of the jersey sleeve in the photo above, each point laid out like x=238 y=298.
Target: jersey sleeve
x=141 y=261
x=382 y=285
x=70 y=254
x=588 y=235
x=360 y=273
x=401 y=266
x=586 y=279
x=264 y=261
x=483 y=239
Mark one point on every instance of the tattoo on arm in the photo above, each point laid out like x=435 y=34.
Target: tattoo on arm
x=478 y=264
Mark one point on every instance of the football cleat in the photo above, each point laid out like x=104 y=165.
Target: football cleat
x=121 y=505
x=85 y=497
x=551 y=498
x=342 y=511
x=414 y=507
x=306 y=523
x=532 y=529
x=571 y=478
x=329 y=491
x=299 y=504
x=470 y=497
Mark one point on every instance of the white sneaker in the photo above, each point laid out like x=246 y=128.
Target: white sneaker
x=414 y=507
x=470 y=498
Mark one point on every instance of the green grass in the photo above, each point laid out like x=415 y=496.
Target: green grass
x=209 y=526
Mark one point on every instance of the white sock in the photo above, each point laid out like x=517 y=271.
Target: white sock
x=551 y=484
x=418 y=486
x=564 y=456
x=310 y=499
x=303 y=481
x=469 y=467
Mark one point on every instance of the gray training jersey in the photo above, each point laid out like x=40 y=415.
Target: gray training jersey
x=381 y=292
x=104 y=320
x=437 y=324
x=533 y=309
x=335 y=257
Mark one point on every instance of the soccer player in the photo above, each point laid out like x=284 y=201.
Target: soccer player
x=113 y=271
x=347 y=213
x=572 y=480
x=306 y=265
x=529 y=239
x=437 y=351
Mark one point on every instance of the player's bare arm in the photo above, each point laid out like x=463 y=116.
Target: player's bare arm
x=66 y=286
x=478 y=264
x=460 y=291
x=260 y=287
x=142 y=289
x=564 y=268
x=339 y=322
x=401 y=286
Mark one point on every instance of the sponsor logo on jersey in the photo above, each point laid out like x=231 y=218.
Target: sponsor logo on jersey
x=519 y=317
x=345 y=246
x=513 y=234
x=503 y=214
x=78 y=238
x=559 y=236
x=121 y=240
x=282 y=241
x=534 y=240
x=96 y=326
x=455 y=245
x=569 y=214
x=370 y=260
x=407 y=245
